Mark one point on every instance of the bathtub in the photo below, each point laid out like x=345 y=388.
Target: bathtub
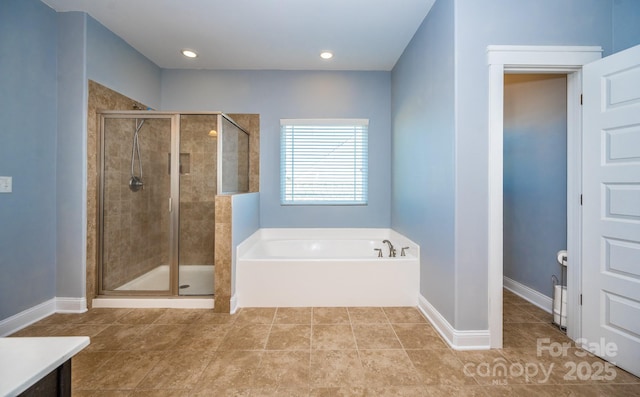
x=326 y=267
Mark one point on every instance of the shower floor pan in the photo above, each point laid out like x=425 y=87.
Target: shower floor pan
x=194 y=280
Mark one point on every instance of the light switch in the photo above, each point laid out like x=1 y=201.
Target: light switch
x=5 y=184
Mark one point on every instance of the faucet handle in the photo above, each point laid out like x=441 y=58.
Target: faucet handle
x=379 y=252
x=402 y=253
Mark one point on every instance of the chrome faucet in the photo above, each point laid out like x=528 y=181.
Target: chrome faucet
x=392 y=251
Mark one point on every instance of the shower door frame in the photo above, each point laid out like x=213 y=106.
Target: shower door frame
x=173 y=201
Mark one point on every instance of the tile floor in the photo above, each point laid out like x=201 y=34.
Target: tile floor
x=320 y=352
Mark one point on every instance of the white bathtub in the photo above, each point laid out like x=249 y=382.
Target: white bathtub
x=326 y=267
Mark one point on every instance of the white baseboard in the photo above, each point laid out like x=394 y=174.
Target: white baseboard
x=36 y=313
x=234 y=304
x=27 y=317
x=528 y=294
x=146 y=303
x=458 y=340
x=71 y=305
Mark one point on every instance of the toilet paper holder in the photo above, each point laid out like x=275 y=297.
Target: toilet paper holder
x=561 y=257
x=559 y=302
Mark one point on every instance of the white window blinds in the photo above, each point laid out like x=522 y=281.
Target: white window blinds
x=323 y=162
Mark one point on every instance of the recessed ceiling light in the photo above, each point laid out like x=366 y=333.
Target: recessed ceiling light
x=326 y=55
x=188 y=53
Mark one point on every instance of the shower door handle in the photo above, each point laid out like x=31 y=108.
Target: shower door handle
x=170 y=204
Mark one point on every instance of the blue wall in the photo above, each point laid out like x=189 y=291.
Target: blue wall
x=87 y=50
x=455 y=262
x=423 y=162
x=115 y=64
x=245 y=220
x=535 y=178
x=479 y=24
x=626 y=24
x=71 y=153
x=46 y=59
x=290 y=94
x=28 y=105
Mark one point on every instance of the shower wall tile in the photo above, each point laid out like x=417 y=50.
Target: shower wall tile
x=198 y=189
x=223 y=248
x=251 y=123
x=141 y=231
x=223 y=210
x=234 y=156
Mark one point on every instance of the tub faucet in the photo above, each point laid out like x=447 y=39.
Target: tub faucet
x=392 y=251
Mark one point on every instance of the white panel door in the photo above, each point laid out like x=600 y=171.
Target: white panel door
x=611 y=208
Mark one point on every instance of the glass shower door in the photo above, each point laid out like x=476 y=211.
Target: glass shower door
x=198 y=185
x=135 y=249
x=234 y=158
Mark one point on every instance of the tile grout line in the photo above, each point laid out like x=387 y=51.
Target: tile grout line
x=310 y=348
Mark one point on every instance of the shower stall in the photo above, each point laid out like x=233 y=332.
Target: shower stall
x=159 y=173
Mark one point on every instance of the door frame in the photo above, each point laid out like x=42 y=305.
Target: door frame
x=535 y=59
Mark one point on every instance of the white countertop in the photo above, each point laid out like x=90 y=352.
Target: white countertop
x=24 y=361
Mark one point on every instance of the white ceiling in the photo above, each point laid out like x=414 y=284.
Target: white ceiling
x=261 y=34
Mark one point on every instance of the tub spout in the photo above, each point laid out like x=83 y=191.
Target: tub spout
x=392 y=251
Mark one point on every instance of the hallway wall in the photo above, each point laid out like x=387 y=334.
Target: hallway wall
x=535 y=178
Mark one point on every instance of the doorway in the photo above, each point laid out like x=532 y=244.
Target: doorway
x=530 y=59
x=534 y=183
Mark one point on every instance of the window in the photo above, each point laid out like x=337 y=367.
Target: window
x=323 y=162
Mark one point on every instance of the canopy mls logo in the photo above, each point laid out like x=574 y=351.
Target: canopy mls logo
x=578 y=363
x=500 y=370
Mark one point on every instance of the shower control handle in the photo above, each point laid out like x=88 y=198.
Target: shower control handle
x=135 y=184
